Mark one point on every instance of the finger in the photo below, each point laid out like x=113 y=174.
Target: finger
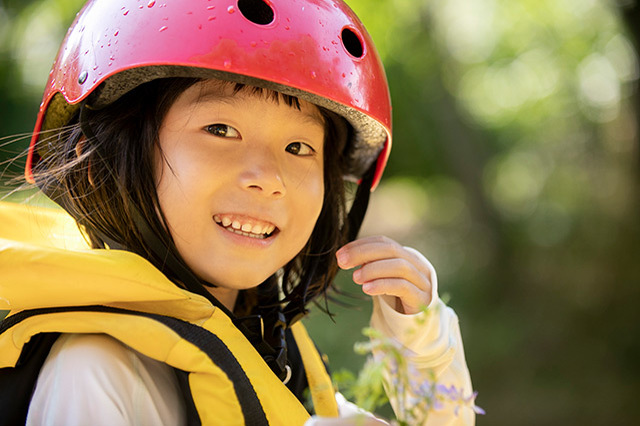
x=366 y=250
x=392 y=268
x=370 y=249
x=413 y=299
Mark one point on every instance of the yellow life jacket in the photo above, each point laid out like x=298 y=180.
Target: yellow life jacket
x=53 y=283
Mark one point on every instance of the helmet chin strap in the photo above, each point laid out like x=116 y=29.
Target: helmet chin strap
x=360 y=203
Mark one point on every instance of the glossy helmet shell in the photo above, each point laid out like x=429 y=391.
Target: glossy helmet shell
x=317 y=50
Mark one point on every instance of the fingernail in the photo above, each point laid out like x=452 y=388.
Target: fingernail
x=342 y=258
x=357 y=274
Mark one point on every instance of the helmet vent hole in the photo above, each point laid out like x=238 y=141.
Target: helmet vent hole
x=352 y=43
x=257 y=11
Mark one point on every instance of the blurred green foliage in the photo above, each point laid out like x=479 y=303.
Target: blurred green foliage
x=514 y=170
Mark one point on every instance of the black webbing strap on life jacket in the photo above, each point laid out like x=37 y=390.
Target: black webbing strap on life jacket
x=17 y=384
x=11 y=411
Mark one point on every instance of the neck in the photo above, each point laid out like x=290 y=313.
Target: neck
x=225 y=296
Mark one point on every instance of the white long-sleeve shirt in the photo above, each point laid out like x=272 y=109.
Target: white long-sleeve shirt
x=432 y=344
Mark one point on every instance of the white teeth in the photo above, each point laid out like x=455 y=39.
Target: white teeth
x=247 y=229
x=246 y=234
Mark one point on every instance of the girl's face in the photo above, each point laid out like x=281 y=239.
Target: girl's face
x=240 y=181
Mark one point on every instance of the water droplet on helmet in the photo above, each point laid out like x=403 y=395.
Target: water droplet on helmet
x=126 y=12
x=151 y=3
x=210 y=7
x=116 y=33
x=286 y=27
x=231 y=9
x=211 y=18
x=161 y=29
x=253 y=44
x=313 y=74
x=227 y=64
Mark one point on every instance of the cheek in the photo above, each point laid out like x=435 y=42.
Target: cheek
x=176 y=168
x=173 y=186
x=166 y=184
x=318 y=198
x=313 y=200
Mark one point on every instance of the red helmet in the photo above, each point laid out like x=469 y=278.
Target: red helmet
x=317 y=50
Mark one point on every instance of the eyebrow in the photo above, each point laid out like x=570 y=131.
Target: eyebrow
x=214 y=95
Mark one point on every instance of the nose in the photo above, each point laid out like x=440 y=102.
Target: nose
x=262 y=173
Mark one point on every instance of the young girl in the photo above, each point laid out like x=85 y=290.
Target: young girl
x=202 y=147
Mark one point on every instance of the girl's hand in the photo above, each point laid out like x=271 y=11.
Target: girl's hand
x=387 y=268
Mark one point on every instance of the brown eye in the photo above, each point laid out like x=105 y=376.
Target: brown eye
x=300 y=148
x=222 y=131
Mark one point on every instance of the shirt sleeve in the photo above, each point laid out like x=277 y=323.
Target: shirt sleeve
x=433 y=346
x=95 y=379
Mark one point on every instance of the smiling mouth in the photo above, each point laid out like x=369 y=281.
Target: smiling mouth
x=248 y=228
